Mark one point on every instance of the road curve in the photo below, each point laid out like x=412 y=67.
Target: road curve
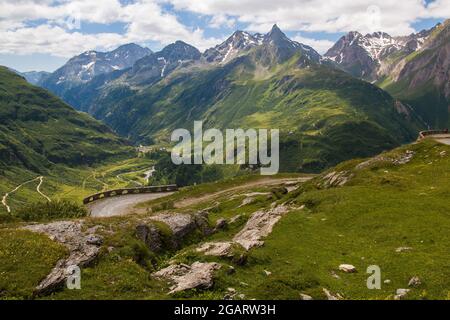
x=122 y=205
x=442 y=138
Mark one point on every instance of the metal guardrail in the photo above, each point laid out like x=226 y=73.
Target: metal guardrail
x=424 y=134
x=128 y=191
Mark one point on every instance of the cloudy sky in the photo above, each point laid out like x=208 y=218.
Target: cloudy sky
x=43 y=34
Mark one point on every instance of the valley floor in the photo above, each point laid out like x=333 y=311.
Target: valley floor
x=19 y=187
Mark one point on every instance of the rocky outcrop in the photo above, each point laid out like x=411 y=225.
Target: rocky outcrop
x=180 y=225
x=184 y=277
x=259 y=226
x=83 y=249
x=151 y=236
x=216 y=249
x=336 y=179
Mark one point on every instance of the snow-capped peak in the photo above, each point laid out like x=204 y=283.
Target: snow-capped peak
x=238 y=42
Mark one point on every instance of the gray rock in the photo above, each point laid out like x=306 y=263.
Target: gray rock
x=81 y=252
x=331 y=296
x=347 y=268
x=401 y=294
x=94 y=240
x=180 y=224
x=151 y=236
x=259 y=226
x=202 y=223
x=414 y=282
x=199 y=275
x=216 y=249
x=305 y=297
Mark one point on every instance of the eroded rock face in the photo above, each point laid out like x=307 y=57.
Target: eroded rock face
x=216 y=249
x=399 y=160
x=151 y=236
x=184 y=277
x=336 y=179
x=83 y=249
x=180 y=224
x=259 y=226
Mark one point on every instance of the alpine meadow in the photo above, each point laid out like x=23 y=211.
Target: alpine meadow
x=339 y=115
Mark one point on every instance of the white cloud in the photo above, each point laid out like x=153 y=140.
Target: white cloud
x=393 y=16
x=40 y=26
x=320 y=46
x=144 y=19
x=222 y=20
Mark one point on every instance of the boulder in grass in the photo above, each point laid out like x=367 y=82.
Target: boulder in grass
x=347 y=268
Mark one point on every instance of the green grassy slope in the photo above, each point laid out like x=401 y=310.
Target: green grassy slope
x=42 y=136
x=382 y=208
x=322 y=113
x=389 y=202
x=38 y=129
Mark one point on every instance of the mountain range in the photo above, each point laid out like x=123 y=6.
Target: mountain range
x=84 y=67
x=324 y=106
x=261 y=81
x=68 y=135
x=414 y=68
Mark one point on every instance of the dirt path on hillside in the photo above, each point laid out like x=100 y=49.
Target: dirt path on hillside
x=264 y=182
x=38 y=190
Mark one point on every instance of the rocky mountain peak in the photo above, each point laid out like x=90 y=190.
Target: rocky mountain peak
x=179 y=51
x=278 y=38
x=84 y=67
x=238 y=42
x=379 y=35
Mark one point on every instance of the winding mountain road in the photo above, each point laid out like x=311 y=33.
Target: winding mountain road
x=124 y=205
x=442 y=138
x=121 y=205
